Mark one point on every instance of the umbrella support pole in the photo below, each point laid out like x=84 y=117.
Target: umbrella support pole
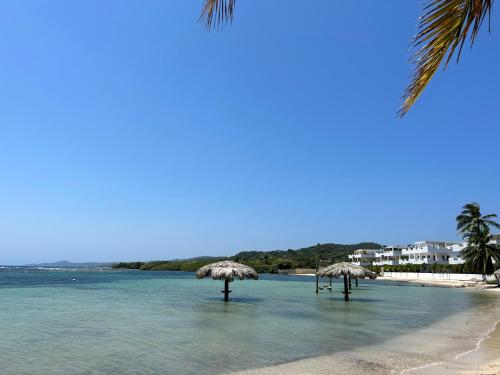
x=317 y=277
x=226 y=290
x=346 y=288
x=350 y=285
x=356 y=281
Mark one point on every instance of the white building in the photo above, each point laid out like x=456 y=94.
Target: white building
x=496 y=239
x=363 y=257
x=388 y=256
x=420 y=252
x=427 y=252
x=456 y=253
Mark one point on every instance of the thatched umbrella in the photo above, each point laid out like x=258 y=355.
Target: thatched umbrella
x=227 y=270
x=497 y=276
x=347 y=270
x=368 y=274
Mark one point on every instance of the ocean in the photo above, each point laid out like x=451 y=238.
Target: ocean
x=138 y=322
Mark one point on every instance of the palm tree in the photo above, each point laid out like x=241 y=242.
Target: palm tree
x=497 y=276
x=444 y=26
x=471 y=220
x=481 y=251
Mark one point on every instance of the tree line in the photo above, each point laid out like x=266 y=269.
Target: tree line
x=262 y=261
x=481 y=255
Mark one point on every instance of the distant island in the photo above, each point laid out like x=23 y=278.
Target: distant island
x=66 y=264
x=262 y=261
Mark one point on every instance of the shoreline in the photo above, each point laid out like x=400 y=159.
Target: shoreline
x=484 y=359
x=444 y=283
x=478 y=285
x=472 y=349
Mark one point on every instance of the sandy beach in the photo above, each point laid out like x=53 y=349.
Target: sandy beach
x=443 y=283
x=443 y=354
x=434 y=283
x=482 y=360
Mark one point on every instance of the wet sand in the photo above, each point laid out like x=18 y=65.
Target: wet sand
x=482 y=360
x=464 y=344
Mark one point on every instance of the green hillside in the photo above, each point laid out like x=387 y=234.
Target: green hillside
x=262 y=261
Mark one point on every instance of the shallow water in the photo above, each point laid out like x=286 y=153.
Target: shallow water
x=129 y=322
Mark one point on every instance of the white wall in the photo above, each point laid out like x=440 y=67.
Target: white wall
x=435 y=276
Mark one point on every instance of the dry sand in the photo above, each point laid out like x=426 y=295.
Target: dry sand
x=443 y=283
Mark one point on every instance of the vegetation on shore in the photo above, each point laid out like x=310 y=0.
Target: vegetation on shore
x=434 y=268
x=262 y=261
x=480 y=252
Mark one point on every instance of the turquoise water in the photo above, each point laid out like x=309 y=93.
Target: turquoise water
x=131 y=322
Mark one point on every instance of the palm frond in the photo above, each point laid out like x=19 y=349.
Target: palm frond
x=480 y=251
x=490 y=216
x=471 y=207
x=494 y=252
x=489 y=220
x=443 y=27
x=463 y=222
x=216 y=13
x=492 y=223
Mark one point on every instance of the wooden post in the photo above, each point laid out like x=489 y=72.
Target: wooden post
x=317 y=277
x=346 y=289
x=226 y=290
x=331 y=290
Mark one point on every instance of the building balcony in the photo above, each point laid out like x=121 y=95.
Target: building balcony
x=362 y=256
x=426 y=250
x=386 y=263
x=363 y=263
x=391 y=253
x=456 y=261
x=429 y=261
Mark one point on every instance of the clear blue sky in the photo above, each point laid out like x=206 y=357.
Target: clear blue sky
x=129 y=133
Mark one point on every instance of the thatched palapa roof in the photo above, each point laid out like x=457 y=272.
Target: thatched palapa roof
x=346 y=269
x=227 y=270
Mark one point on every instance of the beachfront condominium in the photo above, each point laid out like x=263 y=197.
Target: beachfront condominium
x=456 y=250
x=429 y=252
x=388 y=256
x=420 y=252
x=363 y=257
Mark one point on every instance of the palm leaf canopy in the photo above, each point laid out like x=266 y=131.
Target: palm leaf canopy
x=217 y=12
x=481 y=250
x=443 y=27
x=227 y=270
x=346 y=269
x=471 y=219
